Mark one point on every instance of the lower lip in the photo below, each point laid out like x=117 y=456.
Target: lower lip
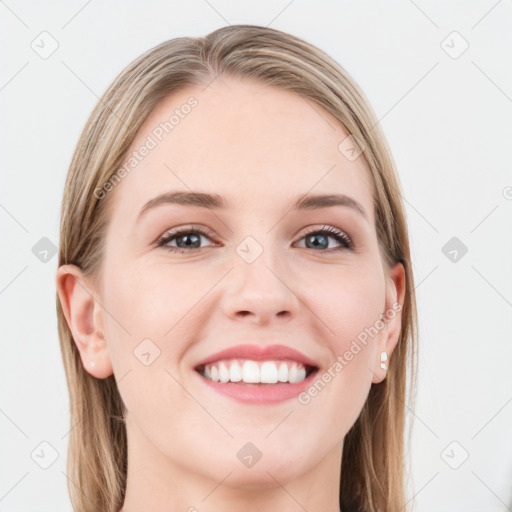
x=260 y=393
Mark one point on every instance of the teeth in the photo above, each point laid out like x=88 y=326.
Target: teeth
x=283 y=372
x=235 y=372
x=252 y=372
x=268 y=374
x=223 y=373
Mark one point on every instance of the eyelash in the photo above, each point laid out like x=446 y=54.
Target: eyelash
x=339 y=236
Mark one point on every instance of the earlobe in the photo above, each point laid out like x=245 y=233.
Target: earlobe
x=383 y=360
x=392 y=318
x=380 y=368
x=84 y=318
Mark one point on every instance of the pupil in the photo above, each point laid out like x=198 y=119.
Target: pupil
x=187 y=239
x=315 y=243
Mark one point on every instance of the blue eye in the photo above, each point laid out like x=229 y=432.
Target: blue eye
x=325 y=233
x=189 y=239
x=186 y=239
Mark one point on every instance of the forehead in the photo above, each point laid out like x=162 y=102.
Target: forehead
x=256 y=145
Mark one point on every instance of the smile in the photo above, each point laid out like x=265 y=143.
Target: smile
x=256 y=372
x=246 y=390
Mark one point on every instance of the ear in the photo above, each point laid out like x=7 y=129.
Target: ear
x=392 y=319
x=84 y=316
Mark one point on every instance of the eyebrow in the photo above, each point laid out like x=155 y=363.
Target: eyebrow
x=217 y=202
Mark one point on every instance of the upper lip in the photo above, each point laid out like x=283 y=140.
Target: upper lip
x=259 y=353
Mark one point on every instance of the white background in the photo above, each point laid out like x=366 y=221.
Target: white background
x=448 y=121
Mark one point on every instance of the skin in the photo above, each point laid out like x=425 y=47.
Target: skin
x=259 y=147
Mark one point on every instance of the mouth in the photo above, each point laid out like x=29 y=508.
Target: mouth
x=257 y=382
x=257 y=374
x=246 y=371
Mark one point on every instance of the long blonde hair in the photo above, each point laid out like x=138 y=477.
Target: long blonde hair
x=372 y=474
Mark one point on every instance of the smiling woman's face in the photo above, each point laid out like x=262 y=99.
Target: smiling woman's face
x=261 y=275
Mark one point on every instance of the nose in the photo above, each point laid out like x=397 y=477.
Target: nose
x=260 y=292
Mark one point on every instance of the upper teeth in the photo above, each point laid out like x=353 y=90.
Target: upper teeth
x=265 y=372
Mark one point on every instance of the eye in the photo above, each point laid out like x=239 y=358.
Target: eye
x=187 y=239
x=313 y=240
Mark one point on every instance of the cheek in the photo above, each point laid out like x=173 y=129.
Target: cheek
x=347 y=300
x=349 y=305
x=338 y=393
x=149 y=302
x=145 y=341
x=152 y=315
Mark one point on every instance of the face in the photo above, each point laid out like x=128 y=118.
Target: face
x=255 y=271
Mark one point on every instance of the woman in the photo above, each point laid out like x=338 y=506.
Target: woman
x=235 y=294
